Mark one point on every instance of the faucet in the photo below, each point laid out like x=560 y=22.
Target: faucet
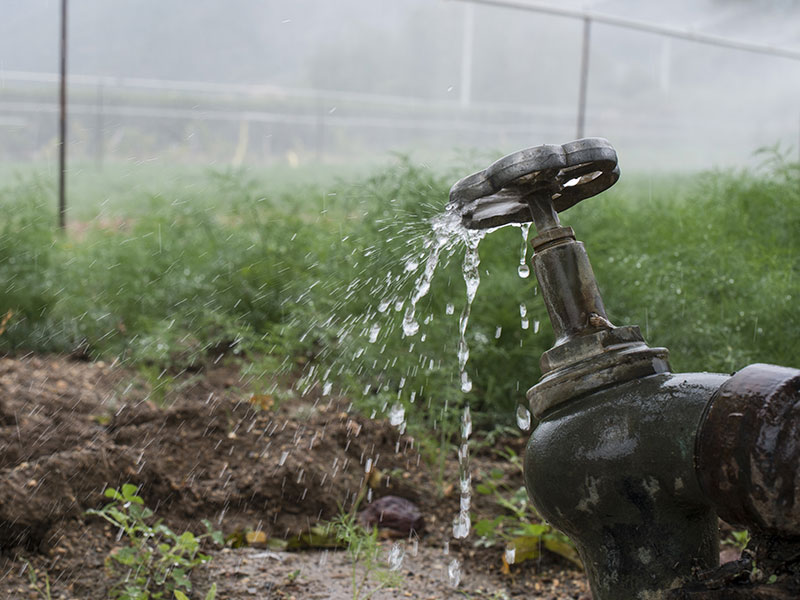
x=633 y=462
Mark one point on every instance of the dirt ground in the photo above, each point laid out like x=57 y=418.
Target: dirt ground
x=70 y=429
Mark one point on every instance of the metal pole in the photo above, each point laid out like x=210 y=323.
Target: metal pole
x=466 y=54
x=99 y=126
x=666 y=59
x=320 y=131
x=62 y=123
x=587 y=30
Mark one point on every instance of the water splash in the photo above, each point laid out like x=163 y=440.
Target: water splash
x=524 y=270
x=397 y=415
x=374 y=331
x=472 y=279
x=523 y=417
x=523 y=315
x=395 y=558
x=445 y=232
x=454 y=572
x=462 y=524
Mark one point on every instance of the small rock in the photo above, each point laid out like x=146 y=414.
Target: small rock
x=397 y=516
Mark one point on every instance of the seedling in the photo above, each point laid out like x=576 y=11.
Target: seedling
x=157 y=561
x=364 y=552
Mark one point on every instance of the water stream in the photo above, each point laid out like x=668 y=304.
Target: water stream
x=367 y=336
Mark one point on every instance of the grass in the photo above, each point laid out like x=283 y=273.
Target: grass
x=189 y=268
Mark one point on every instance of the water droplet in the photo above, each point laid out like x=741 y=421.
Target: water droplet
x=284 y=456
x=373 y=333
x=461 y=526
x=523 y=418
x=450 y=309
x=397 y=414
x=466 y=382
x=536 y=326
x=511 y=552
x=410 y=325
x=396 y=556
x=524 y=270
x=383 y=306
x=466 y=423
x=498 y=332
x=326 y=388
x=454 y=572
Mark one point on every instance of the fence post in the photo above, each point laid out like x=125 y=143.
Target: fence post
x=62 y=122
x=98 y=125
x=584 y=81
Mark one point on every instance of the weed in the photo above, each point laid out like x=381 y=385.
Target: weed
x=519 y=528
x=739 y=539
x=292 y=577
x=705 y=264
x=368 y=575
x=212 y=593
x=157 y=560
x=33 y=578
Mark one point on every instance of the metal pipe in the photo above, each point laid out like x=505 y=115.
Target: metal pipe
x=692 y=36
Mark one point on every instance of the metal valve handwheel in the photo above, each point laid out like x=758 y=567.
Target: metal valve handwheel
x=560 y=176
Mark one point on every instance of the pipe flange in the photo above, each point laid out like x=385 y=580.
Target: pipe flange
x=615 y=366
x=748 y=450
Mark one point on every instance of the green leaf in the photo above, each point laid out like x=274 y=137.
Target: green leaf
x=179 y=576
x=484 y=489
x=563 y=548
x=112 y=493
x=533 y=529
x=212 y=593
x=187 y=537
x=525 y=547
x=125 y=556
x=129 y=493
x=179 y=595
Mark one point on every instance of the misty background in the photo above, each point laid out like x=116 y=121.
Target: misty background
x=247 y=82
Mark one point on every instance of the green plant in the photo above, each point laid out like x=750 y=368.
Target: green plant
x=739 y=539
x=33 y=578
x=157 y=561
x=364 y=550
x=292 y=577
x=212 y=593
x=519 y=528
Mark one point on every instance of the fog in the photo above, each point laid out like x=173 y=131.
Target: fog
x=251 y=82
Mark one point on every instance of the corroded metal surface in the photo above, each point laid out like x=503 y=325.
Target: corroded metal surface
x=628 y=459
x=569 y=173
x=748 y=451
x=615 y=471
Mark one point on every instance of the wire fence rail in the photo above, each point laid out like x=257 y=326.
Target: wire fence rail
x=115 y=118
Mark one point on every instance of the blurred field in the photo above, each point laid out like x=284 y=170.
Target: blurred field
x=172 y=268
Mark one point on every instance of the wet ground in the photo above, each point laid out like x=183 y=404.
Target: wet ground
x=248 y=463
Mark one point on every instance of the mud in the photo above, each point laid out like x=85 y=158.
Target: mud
x=70 y=429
